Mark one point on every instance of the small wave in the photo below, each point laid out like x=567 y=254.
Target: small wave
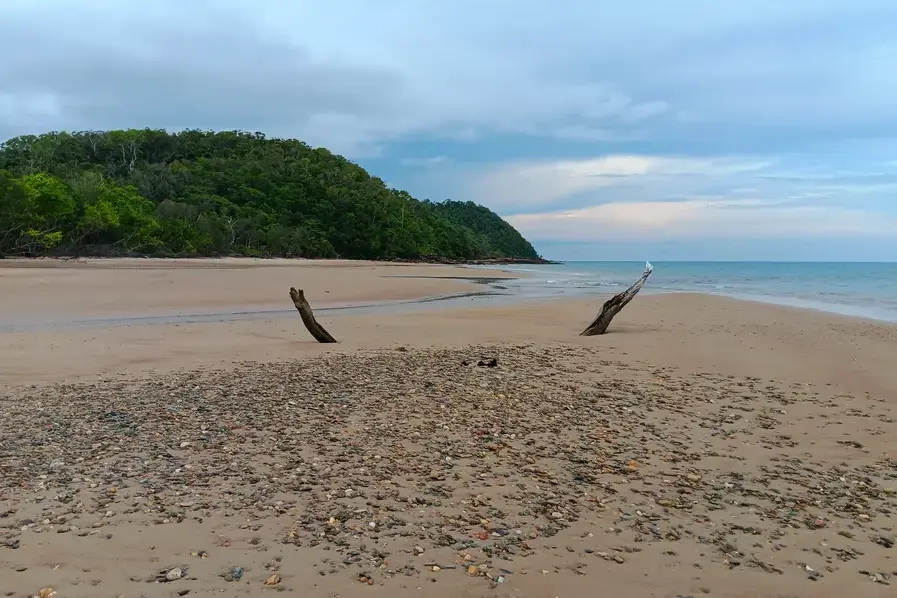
x=600 y=283
x=501 y=268
x=553 y=281
x=520 y=270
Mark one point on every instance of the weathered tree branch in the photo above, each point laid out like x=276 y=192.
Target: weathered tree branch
x=308 y=318
x=615 y=304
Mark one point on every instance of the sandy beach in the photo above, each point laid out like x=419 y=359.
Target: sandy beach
x=170 y=428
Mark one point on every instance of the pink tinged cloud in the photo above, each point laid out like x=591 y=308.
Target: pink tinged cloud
x=548 y=181
x=702 y=219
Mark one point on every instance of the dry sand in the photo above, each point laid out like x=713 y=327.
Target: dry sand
x=704 y=447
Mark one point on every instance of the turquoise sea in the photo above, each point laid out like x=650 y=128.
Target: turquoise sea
x=858 y=289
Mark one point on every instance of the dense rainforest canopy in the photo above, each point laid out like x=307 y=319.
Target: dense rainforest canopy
x=150 y=192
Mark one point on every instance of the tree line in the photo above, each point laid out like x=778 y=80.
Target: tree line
x=201 y=193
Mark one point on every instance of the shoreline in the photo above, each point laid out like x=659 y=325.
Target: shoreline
x=847 y=309
x=398 y=307
x=452 y=273
x=87 y=261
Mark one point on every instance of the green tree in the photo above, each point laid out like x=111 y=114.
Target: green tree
x=13 y=210
x=41 y=209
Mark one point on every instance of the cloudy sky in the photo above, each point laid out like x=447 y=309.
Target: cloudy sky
x=658 y=129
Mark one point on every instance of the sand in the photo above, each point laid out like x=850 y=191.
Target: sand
x=112 y=288
x=705 y=446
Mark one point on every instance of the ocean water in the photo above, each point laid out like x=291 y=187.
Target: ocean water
x=866 y=290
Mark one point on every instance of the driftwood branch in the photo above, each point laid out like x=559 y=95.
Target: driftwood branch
x=615 y=304
x=308 y=318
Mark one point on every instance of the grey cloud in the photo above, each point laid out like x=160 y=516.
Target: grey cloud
x=692 y=74
x=232 y=64
x=232 y=75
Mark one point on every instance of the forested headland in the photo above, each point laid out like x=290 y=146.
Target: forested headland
x=199 y=193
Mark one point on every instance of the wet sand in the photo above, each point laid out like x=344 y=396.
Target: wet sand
x=705 y=446
x=37 y=290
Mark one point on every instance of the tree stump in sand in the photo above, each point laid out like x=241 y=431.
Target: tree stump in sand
x=308 y=318
x=615 y=304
